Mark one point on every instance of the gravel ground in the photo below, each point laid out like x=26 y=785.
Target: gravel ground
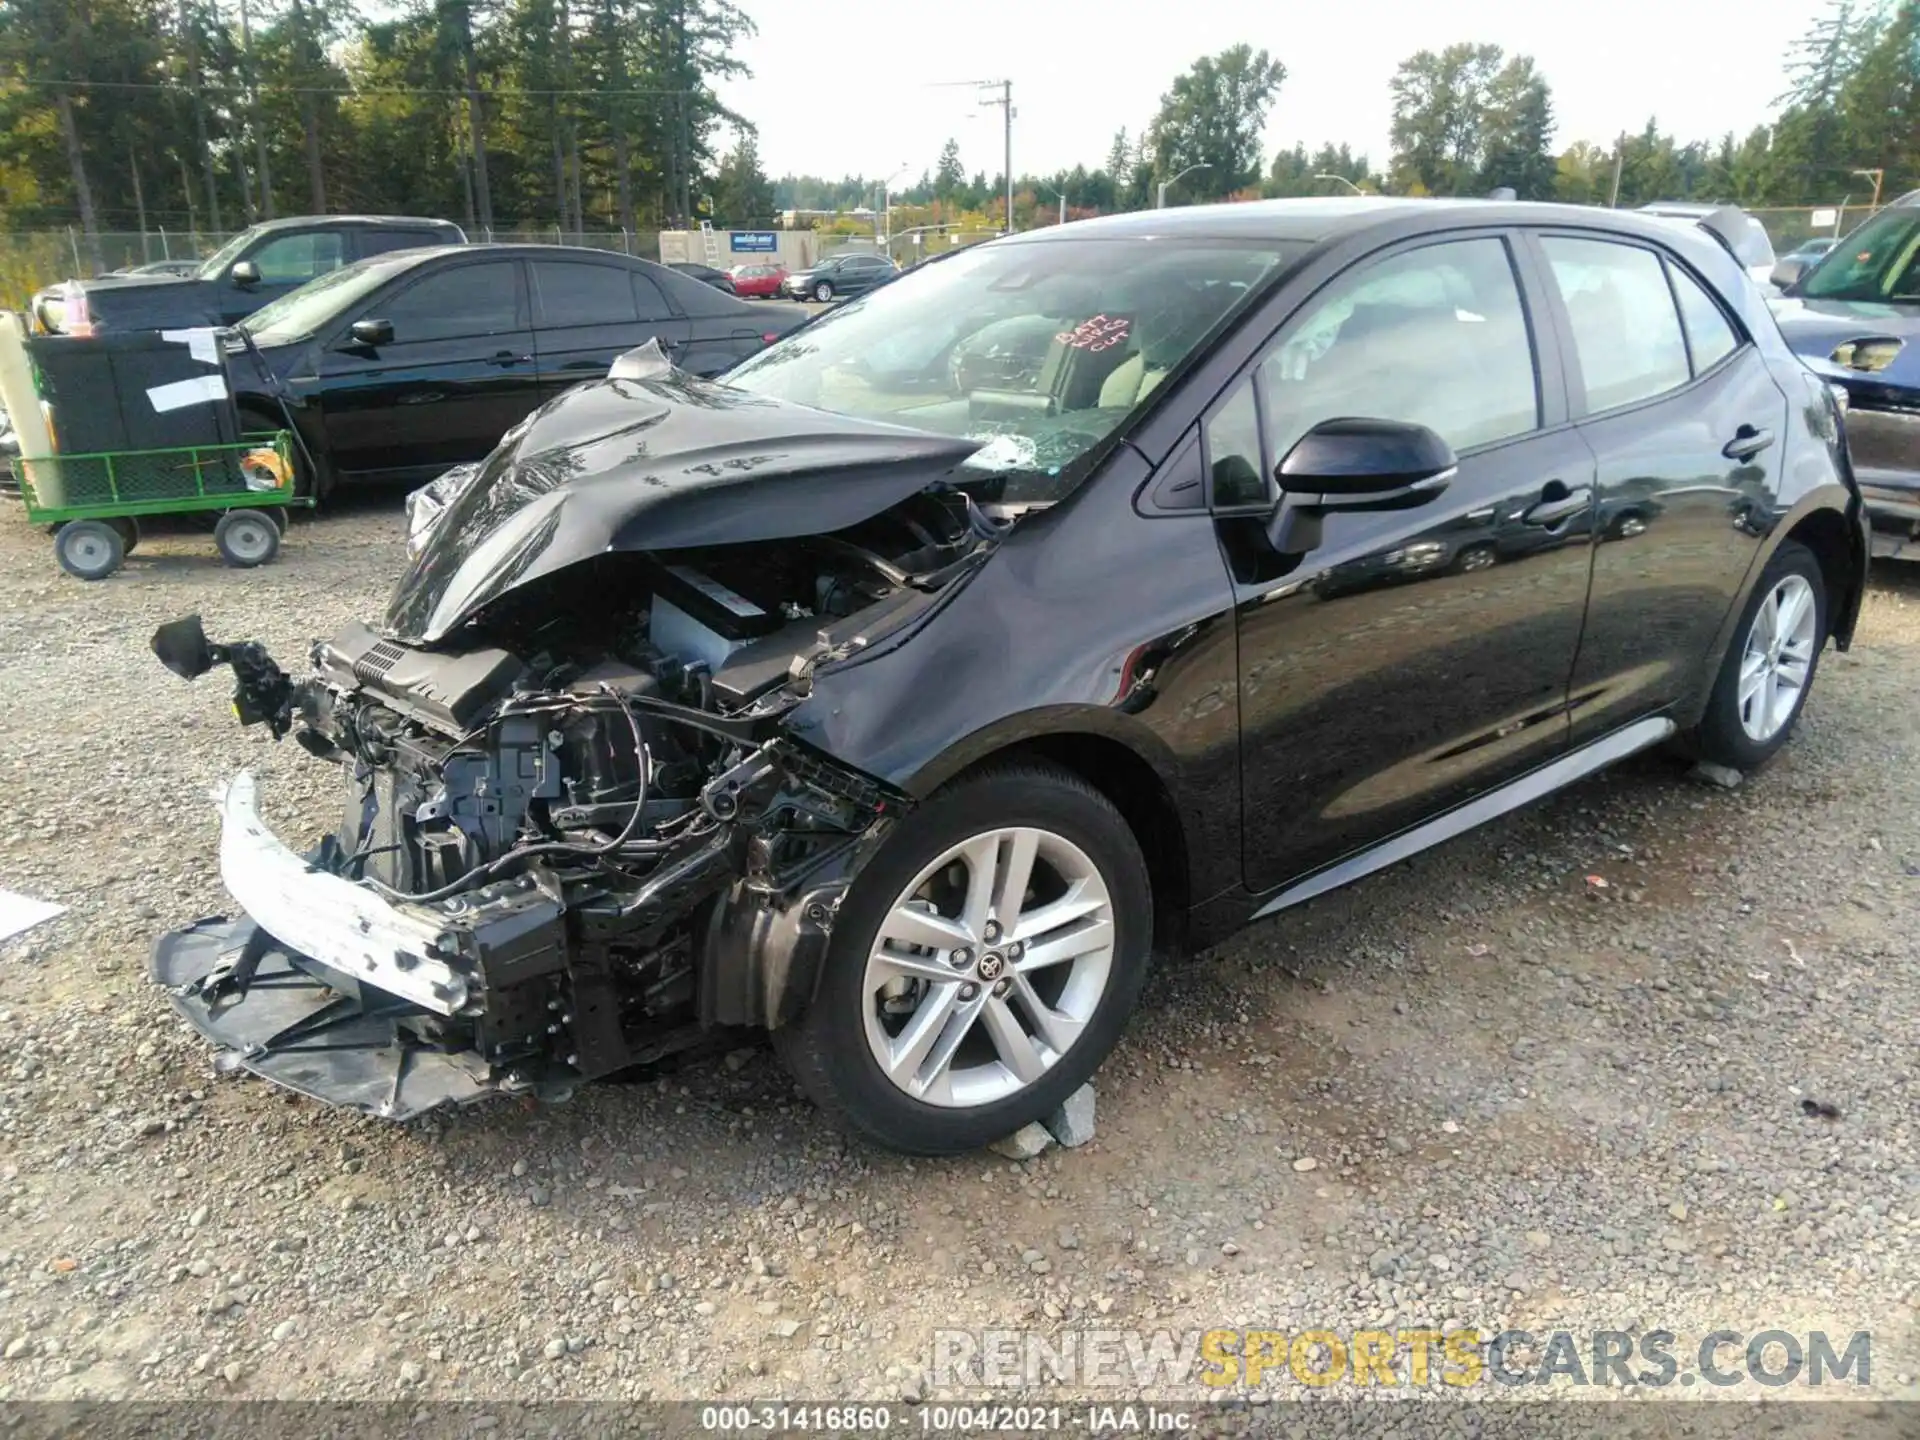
x=1480 y=1088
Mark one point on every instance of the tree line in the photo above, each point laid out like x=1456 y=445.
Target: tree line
x=207 y=114
x=604 y=114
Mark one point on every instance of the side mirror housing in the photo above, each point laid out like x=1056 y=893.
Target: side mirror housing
x=1787 y=273
x=1355 y=465
x=372 y=332
x=244 y=274
x=182 y=646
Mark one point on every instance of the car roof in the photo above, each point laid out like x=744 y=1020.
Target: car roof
x=299 y=222
x=1316 y=218
x=507 y=249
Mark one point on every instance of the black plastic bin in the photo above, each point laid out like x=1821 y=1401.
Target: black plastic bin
x=101 y=389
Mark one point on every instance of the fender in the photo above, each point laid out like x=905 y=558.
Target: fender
x=1065 y=721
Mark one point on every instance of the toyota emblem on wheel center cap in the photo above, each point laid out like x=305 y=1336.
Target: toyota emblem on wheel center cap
x=990 y=966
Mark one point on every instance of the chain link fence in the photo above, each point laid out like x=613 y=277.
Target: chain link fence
x=1790 y=227
x=32 y=259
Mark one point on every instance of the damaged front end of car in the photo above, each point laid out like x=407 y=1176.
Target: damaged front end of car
x=578 y=833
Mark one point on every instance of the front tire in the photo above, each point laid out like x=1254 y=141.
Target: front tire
x=1769 y=668
x=823 y=292
x=981 y=967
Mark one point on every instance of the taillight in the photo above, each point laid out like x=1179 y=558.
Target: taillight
x=75 y=317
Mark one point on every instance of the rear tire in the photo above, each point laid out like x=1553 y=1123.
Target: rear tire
x=129 y=529
x=1769 y=668
x=89 y=549
x=982 y=1039
x=246 y=538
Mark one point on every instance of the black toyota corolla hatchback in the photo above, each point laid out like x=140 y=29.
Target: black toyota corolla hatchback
x=1061 y=606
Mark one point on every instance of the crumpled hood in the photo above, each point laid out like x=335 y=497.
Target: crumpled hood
x=663 y=463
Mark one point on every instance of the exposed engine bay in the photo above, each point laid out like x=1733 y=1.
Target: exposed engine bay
x=575 y=835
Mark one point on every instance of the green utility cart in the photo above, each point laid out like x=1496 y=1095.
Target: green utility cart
x=95 y=501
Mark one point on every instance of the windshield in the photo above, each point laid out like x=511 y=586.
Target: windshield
x=1874 y=263
x=215 y=265
x=1042 y=349
x=299 y=313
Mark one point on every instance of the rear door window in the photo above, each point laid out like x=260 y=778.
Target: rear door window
x=1626 y=329
x=648 y=302
x=570 y=293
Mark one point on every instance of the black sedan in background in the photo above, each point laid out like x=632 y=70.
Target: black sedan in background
x=398 y=367
x=848 y=273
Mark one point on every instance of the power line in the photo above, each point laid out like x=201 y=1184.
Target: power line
x=341 y=91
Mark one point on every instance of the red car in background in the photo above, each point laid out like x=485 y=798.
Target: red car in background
x=758 y=281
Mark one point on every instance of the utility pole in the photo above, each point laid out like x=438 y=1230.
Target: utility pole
x=1005 y=101
x=1619 y=157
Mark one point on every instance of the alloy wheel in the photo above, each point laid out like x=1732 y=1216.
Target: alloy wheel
x=1478 y=558
x=1777 y=658
x=988 y=967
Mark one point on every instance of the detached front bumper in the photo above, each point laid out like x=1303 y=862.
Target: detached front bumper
x=393 y=947
x=327 y=988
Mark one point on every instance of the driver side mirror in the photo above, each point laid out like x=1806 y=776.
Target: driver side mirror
x=1787 y=273
x=372 y=332
x=244 y=274
x=1353 y=466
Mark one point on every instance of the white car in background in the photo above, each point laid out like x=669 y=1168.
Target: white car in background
x=1748 y=240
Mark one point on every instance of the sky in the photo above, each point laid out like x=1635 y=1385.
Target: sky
x=851 y=87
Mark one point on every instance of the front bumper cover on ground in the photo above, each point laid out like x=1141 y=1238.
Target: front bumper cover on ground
x=315 y=1031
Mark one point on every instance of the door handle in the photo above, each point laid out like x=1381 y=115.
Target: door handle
x=1557 y=507
x=504 y=358
x=1747 y=442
